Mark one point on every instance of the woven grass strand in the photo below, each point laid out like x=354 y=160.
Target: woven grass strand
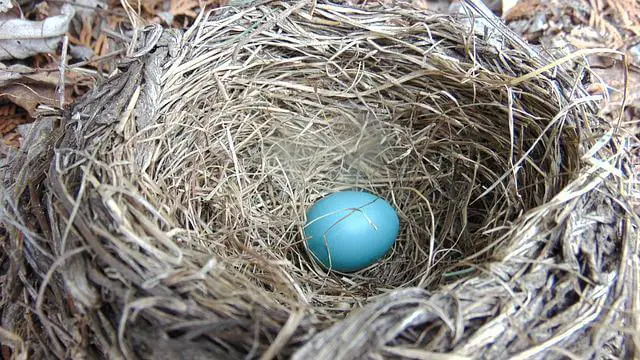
x=162 y=216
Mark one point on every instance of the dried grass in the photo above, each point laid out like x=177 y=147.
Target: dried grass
x=162 y=216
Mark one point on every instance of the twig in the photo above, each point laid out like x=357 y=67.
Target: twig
x=96 y=59
x=62 y=68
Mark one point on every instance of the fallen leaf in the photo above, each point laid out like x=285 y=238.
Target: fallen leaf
x=522 y=9
x=9 y=122
x=29 y=97
x=586 y=37
x=20 y=39
x=5 y=5
x=6 y=352
x=29 y=88
x=24 y=74
x=614 y=78
x=627 y=12
x=507 y=5
x=438 y=6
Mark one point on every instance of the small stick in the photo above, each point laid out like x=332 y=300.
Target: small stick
x=96 y=59
x=69 y=67
x=62 y=68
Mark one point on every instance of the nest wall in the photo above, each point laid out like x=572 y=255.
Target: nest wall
x=162 y=216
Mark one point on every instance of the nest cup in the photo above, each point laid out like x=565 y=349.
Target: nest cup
x=174 y=195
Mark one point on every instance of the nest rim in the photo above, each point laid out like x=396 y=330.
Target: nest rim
x=286 y=318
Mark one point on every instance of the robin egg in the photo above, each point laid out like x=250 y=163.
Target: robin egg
x=349 y=230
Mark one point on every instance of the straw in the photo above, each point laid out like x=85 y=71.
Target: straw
x=163 y=215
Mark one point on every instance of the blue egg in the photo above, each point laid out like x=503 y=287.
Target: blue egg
x=350 y=230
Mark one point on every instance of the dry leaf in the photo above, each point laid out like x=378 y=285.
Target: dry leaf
x=523 y=9
x=439 y=6
x=86 y=8
x=5 y=5
x=20 y=39
x=614 y=78
x=9 y=122
x=507 y=5
x=29 y=97
x=22 y=86
x=24 y=74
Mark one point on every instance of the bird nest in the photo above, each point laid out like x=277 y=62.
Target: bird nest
x=163 y=215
